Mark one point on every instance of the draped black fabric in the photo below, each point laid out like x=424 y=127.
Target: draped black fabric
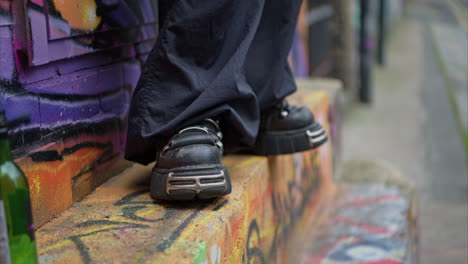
x=223 y=59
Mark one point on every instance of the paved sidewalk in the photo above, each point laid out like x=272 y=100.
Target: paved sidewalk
x=411 y=125
x=451 y=48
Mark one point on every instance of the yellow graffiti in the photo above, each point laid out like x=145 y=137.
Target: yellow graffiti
x=246 y=162
x=57 y=245
x=80 y=14
x=150 y=211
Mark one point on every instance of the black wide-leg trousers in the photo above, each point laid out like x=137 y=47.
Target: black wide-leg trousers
x=223 y=59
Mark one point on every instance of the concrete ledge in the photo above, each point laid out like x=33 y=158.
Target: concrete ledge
x=376 y=171
x=262 y=221
x=373 y=220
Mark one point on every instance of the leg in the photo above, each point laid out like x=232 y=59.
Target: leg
x=267 y=67
x=195 y=71
x=284 y=128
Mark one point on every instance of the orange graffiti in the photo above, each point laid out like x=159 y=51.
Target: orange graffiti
x=50 y=181
x=80 y=14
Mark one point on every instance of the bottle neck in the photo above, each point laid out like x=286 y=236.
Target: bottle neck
x=5 y=151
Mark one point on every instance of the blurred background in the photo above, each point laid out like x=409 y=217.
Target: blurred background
x=404 y=68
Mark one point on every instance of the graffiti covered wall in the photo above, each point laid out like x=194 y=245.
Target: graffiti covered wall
x=260 y=222
x=71 y=67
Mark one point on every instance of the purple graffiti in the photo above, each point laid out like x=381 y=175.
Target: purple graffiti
x=72 y=82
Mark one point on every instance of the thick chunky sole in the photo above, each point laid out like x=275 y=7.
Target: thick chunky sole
x=290 y=141
x=191 y=182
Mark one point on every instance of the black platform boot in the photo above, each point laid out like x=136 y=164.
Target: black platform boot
x=190 y=165
x=287 y=129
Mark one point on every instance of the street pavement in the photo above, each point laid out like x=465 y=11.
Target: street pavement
x=411 y=124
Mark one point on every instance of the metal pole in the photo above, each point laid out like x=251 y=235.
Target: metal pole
x=382 y=32
x=365 y=56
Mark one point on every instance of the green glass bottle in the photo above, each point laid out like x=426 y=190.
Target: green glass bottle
x=17 y=244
